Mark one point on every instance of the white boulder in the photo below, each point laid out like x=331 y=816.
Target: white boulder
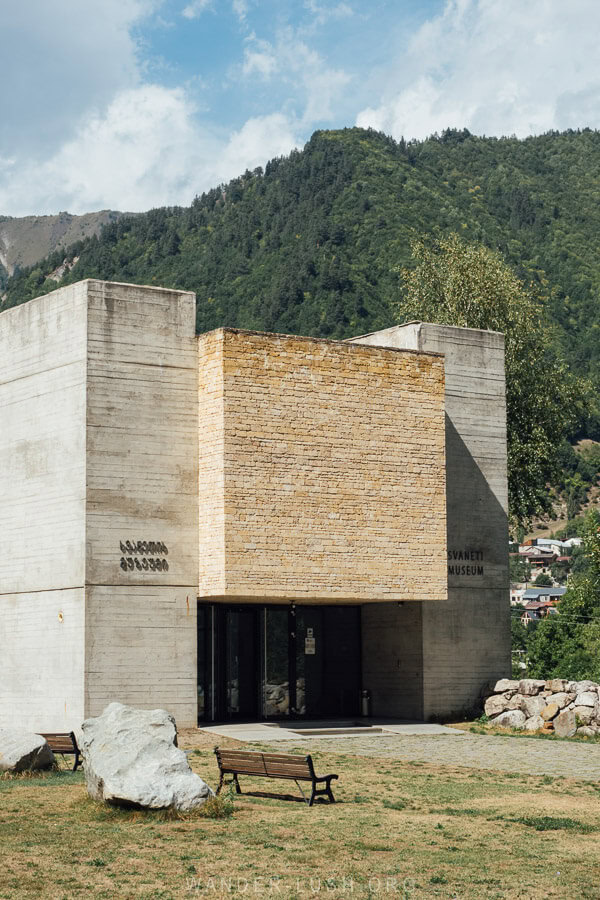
x=561 y=699
x=565 y=724
x=131 y=759
x=516 y=701
x=533 y=706
x=556 y=685
x=581 y=686
x=531 y=686
x=495 y=704
x=587 y=731
x=584 y=714
x=22 y=751
x=534 y=723
x=586 y=698
x=512 y=718
x=506 y=684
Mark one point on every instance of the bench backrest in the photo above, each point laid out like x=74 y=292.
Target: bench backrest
x=61 y=742
x=253 y=762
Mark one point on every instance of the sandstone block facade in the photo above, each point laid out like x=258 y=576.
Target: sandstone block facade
x=322 y=471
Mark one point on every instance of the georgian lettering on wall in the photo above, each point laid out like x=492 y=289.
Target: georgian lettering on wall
x=465 y=562
x=144 y=556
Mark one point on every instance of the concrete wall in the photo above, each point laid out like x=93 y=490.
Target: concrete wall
x=465 y=640
x=142 y=471
x=99 y=416
x=42 y=509
x=334 y=476
x=392 y=658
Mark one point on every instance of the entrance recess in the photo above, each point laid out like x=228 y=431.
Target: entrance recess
x=278 y=662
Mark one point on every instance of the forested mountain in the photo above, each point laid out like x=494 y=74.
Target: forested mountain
x=312 y=244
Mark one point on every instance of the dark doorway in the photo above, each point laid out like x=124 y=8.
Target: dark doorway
x=278 y=662
x=240 y=669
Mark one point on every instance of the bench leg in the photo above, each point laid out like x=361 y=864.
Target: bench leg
x=220 y=783
x=238 y=789
x=304 y=797
x=320 y=792
x=330 y=792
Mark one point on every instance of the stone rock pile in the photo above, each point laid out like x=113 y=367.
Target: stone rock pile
x=563 y=707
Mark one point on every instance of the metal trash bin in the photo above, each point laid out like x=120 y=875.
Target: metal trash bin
x=365 y=703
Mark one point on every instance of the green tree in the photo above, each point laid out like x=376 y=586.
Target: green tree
x=520 y=569
x=543 y=580
x=520 y=638
x=560 y=571
x=469 y=285
x=567 y=644
x=576 y=494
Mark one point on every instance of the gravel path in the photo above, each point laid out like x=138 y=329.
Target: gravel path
x=528 y=756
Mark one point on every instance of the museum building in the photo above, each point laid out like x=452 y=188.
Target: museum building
x=241 y=525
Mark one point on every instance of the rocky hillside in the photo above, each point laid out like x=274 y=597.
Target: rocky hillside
x=24 y=241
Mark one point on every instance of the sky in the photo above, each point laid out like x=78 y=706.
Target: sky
x=131 y=104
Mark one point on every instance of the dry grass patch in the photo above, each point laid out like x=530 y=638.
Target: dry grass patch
x=480 y=726
x=414 y=831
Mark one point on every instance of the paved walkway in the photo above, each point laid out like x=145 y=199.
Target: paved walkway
x=260 y=731
x=528 y=756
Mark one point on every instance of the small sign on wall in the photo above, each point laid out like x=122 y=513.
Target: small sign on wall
x=145 y=556
x=309 y=643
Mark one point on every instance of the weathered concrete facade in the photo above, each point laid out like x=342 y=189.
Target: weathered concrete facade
x=99 y=448
x=454 y=647
x=144 y=468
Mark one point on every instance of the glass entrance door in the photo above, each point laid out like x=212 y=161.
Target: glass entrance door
x=327 y=660
x=278 y=662
x=309 y=660
x=241 y=658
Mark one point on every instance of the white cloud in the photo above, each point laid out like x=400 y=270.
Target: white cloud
x=259 y=140
x=495 y=68
x=323 y=12
x=260 y=58
x=323 y=85
x=112 y=139
x=240 y=8
x=310 y=83
x=195 y=9
x=62 y=58
x=147 y=149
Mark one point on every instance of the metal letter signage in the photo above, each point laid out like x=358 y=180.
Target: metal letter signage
x=144 y=556
x=461 y=562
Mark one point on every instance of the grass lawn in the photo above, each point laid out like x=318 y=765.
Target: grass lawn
x=398 y=829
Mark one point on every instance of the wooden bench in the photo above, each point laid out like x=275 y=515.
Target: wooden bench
x=64 y=743
x=273 y=765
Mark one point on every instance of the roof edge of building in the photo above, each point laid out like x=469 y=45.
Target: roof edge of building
x=341 y=342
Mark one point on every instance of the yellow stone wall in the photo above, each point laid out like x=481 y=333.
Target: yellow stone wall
x=322 y=471
x=211 y=464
